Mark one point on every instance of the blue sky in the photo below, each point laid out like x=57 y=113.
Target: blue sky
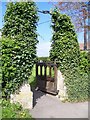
x=44 y=30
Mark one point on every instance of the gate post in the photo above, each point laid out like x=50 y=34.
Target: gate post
x=41 y=70
x=45 y=70
x=55 y=76
x=50 y=71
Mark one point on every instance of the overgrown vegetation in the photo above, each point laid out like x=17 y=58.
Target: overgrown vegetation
x=65 y=50
x=9 y=68
x=18 y=44
x=32 y=77
x=64 y=47
x=14 y=111
x=84 y=61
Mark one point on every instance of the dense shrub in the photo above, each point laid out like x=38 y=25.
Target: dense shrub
x=9 y=69
x=88 y=54
x=64 y=47
x=84 y=61
x=14 y=111
x=20 y=25
x=77 y=83
x=65 y=50
x=77 y=79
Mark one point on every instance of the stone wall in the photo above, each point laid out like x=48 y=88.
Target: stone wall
x=61 y=86
x=24 y=97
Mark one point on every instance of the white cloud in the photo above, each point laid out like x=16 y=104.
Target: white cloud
x=43 y=49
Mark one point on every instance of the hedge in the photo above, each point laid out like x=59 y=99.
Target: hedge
x=65 y=51
x=84 y=61
x=20 y=24
x=9 y=70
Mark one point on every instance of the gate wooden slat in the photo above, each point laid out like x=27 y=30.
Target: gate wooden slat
x=50 y=71
x=45 y=70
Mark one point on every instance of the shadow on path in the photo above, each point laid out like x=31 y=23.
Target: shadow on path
x=48 y=106
x=37 y=94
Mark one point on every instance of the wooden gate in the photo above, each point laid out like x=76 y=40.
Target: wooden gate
x=46 y=76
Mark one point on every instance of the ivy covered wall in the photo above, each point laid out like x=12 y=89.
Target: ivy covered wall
x=18 y=44
x=65 y=51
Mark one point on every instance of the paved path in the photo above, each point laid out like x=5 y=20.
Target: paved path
x=47 y=106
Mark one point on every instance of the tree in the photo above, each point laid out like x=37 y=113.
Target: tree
x=78 y=11
x=20 y=25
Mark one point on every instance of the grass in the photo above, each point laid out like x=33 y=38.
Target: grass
x=14 y=110
x=32 y=78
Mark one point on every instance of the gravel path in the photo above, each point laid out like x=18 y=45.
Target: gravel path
x=48 y=106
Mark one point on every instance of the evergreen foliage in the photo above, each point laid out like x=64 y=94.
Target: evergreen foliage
x=64 y=47
x=20 y=29
x=84 y=61
x=9 y=69
x=65 y=51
